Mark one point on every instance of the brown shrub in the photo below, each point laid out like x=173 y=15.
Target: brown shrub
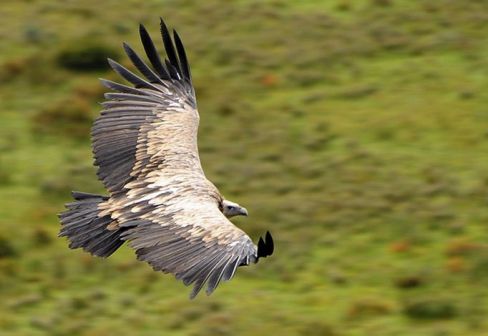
x=369 y=307
x=409 y=281
x=13 y=68
x=461 y=246
x=316 y=328
x=269 y=80
x=456 y=264
x=400 y=246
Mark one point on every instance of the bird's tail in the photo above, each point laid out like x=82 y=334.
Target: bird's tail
x=85 y=229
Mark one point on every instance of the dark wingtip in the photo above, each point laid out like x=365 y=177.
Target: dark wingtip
x=112 y=63
x=170 y=50
x=266 y=246
x=144 y=35
x=162 y=23
x=269 y=242
x=185 y=67
x=127 y=48
x=163 y=28
x=152 y=53
x=261 y=247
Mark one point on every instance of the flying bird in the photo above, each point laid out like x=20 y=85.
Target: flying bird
x=145 y=147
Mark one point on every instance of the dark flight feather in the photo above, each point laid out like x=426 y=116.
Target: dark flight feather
x=141 y=66
x=169 y=47
x=185 y=67
x=152 y=53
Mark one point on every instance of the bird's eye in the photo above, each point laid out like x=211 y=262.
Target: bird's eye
x=230 y=207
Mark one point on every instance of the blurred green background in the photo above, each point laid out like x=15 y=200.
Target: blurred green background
x=356 y=131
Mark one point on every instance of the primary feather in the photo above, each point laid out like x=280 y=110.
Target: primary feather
x=145 y=147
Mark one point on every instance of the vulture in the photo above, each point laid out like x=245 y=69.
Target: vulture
x=145 y=148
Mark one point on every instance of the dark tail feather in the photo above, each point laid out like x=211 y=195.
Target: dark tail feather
x=81 y=224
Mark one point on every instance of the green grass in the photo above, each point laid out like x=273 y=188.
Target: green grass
x=354 y=130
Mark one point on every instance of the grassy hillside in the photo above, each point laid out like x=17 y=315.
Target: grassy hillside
x=355 y=130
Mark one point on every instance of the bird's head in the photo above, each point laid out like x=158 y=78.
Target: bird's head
x=231 y=209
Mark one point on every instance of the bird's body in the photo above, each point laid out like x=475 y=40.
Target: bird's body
x=145 y=147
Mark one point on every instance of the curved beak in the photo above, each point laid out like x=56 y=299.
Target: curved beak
x=243 y=212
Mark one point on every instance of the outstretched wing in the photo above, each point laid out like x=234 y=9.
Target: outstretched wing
x=191 y=239
x=152 y=125
x=174 y=223
x=145 y=145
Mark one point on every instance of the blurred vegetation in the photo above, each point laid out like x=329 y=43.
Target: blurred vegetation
x=355 y=130
x=85 y=55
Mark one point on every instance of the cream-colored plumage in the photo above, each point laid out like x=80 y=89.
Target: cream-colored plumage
x=145 y=147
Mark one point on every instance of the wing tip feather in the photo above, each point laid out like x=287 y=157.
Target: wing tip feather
x=265 y=246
